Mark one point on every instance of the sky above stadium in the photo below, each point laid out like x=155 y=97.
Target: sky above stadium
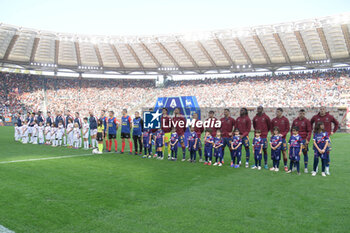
x=145 y=17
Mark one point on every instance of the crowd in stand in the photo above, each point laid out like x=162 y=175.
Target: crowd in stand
x=32 y=93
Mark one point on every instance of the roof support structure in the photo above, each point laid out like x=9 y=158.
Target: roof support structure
x=281 y=46
x=262 y=49
x=243 y=51
x=206 y=53
x=116 y=54
x=324 y=42
x=132 y=51
x=57 y=47
x=302 y=45
x=150 y=54
x=34 y=48
x=188 y=55
x=98 y=54
x=77 y=50
x=224 y=51
x=10 y=47
x=162 y=47
x=346 y=34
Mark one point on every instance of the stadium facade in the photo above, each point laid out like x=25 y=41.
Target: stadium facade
x=307 y=44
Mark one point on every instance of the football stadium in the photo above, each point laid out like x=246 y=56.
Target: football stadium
x=190 y=116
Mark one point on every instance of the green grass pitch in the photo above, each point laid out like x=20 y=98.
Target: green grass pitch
x=125 y=193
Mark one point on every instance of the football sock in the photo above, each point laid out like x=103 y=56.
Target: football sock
x=324 y=161
x=161 y=154
x=183 y=152
x=259 y=162
x=247 y=153
x=200 y=153
x=169 y=149
x=115 y=145
x=107 y=146
x=194 y=155
x=232 y=153
x=265 y=156
x=328 y=160
x=123 y=146
x=93 y=142
x=145 y=151
x=87 y=144
x=315 y=163
x=285 y=161
x=130 y=145
x=100 y=147
x=298 y=166
x=306 y=159
x=149 y=150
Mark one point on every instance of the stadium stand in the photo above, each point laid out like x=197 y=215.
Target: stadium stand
x=21 y=92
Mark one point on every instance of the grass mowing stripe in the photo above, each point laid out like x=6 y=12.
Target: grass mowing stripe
x=48 y=158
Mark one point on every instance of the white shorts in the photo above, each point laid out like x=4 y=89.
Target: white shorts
x=30 y=130
x=86 y=136
x=48 y=136
x=93 y=132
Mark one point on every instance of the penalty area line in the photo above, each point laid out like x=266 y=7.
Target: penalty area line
x=48 y=158
x=5 y=230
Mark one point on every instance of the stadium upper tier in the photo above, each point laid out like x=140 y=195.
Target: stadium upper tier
x=308 y=43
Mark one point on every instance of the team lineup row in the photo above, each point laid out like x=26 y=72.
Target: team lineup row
x=68 y=131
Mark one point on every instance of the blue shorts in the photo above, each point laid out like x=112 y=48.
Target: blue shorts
x=227 y=142
x=294 y=154
x=218 y=152
x=276 y=154
x=245 y=141
x=237 y=153
x=182 y=139
x=257 y=155
x=159 y=144
x=208 y=151
x=191 y=148
x=305 y=147
x=284 y=145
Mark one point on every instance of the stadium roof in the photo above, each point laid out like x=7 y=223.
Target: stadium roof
x=309 y=43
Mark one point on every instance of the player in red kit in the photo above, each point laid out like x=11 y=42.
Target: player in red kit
x=243 y=124
x=212 y=121
x=262 y=122
x=227 y=125
x=179 y=122
x=199 y=131
x=166 y=127
x=328 y=120
x=282 y=123
x=304 y=126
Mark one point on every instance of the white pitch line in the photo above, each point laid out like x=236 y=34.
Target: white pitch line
x=38 y=159
x=5 y=230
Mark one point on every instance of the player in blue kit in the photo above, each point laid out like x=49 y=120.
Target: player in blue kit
x=276 y=148
x=236 y=149
x=112 y=127
x=125 y=131
x=218 y=145
x=295 y=149
x=146 y=142
x=137 y=129
x=192 y=144
x=258 y=144
x=321 y=142
x=174 y=139
x=159 y=142
x=208 y=147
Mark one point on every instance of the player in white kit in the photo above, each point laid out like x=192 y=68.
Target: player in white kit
x=41 y=129
x=25 y=132
x=70 y=133
x=35 y=131
x=86 y=133
x=47 y=134
x=76 y=136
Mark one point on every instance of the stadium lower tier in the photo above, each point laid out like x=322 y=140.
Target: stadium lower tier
x=32 y=93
